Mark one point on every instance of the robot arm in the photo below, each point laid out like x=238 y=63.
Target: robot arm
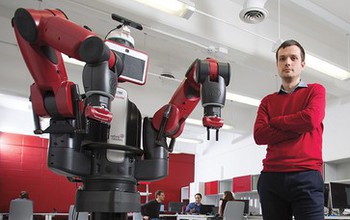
x=206 y=80
x=42 y=35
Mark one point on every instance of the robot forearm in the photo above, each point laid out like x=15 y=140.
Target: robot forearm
x=206 y=80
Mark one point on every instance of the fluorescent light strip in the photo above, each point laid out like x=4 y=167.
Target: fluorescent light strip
x=242 y=99
x=181 y=8
x=326 y=68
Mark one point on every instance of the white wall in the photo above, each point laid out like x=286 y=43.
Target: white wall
x=336 y=142
x=225 y=159
x=16 y=115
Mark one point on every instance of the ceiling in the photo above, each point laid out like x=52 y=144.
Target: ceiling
x=173 y=43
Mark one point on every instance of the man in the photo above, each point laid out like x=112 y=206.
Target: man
x=194 y=207
x=151 y=210
x=289 y=122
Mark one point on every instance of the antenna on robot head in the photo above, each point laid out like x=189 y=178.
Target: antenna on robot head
x=121 y=33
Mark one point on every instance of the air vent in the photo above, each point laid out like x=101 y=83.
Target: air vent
x=253 y=11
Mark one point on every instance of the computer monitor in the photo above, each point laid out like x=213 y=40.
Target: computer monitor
x=326 y=194
x=215 y=210
x=175 y=207
x=206 y=209
x=246 y=205
x=340 y=195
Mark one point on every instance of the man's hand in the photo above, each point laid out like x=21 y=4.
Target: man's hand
x=192 y=210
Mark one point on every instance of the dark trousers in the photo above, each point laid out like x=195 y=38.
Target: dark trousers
x=298 y=194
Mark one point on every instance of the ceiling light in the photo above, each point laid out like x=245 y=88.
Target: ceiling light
x=242 y=99
x=326 y=67
x=181 y=8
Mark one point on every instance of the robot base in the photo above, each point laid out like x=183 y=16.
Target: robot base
x=105 y=205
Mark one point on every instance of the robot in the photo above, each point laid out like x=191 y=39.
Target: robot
x=80 y=145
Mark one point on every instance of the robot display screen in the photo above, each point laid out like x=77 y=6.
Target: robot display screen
x=135 y=63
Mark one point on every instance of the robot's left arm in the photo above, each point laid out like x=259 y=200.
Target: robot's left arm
x=205 y=80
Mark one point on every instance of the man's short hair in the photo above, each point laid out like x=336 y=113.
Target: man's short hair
x=289 y=43
x=158 y=192
x=198 y=194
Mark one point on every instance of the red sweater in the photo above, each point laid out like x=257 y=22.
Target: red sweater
x=291 y=126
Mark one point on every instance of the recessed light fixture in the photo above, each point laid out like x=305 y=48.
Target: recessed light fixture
x=181 y=8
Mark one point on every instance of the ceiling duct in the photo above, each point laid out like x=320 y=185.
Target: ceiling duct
x=253 y=11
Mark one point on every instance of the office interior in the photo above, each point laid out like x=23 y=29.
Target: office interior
x=213 y=29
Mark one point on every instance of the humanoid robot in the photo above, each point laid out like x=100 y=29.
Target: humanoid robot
x=81 y=145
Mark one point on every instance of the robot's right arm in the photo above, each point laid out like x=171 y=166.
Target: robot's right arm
x=75 y=118
x=42 y=36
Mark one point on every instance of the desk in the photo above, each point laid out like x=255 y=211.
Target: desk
x=326 y=217
x=337 y=217
x=253 y=217
x=194 y=217
x=48 y=216
x=168 y=216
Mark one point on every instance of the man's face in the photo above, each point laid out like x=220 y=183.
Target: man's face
x=161 y=197
x=198 y=199
x=289 y=63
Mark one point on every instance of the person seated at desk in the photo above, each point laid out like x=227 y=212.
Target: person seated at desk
x=194 y=207
x=21 y=208
x=228 y=196
x=151 y=210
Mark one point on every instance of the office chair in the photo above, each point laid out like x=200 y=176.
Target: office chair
x=137 y=216
x=233 y=210
x=74 y=215
x=21 y=209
